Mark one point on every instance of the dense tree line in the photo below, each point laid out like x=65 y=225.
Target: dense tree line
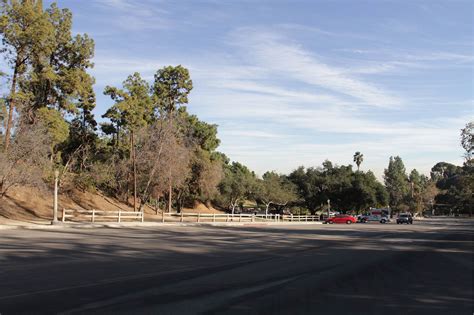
x=149 y=150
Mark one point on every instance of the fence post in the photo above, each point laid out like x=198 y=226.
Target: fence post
x=64 y=215
x=291 y=218
x=162 y=216
x=119 y=215
x=306 y=218
x=199 y=216
x=253 y=217
x=182 y=216
x=240 y=218
x=214 y=217
x=143 y=215
x=227 y=218
x=93 y=215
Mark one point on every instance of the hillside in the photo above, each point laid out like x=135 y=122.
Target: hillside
x=33 y=205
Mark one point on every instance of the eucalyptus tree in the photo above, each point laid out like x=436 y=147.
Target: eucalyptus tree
x=358 y=159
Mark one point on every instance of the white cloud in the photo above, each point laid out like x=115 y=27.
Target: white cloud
x=136 y=15
x=290 y=60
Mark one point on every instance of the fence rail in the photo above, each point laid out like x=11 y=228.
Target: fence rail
x=242 y=217
x=101 y=215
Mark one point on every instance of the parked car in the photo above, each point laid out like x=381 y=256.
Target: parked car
x=364 y=218
x=405 y=218
x=341 y=218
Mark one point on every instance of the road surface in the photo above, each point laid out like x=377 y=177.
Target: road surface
x=424 y=268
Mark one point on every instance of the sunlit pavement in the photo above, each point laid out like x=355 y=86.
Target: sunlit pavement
x=424 y=268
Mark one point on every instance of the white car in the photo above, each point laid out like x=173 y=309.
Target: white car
x=372 y=218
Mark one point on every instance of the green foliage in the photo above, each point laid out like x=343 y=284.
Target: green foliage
x=396 y=182
x=203 y=134
x=57 y=127
x=133 y=107
x=238 y=184
x=457 y=186
x=346 y=189
x=58 y=75
x=171 y=88
x=274 y=190
x=467 y=140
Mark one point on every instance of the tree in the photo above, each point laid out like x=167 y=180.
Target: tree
x=274 y=190
x=57 y=128
x=25 y=32
x=456 y=185
x=24 y=162
x=171 y=88
x=418 y=186
x=58 y=77
x=206 y=164
x=396 y=182
x=467 y=140
x=162 y=158
x=358 y=159
x=237 y=185
x=132 y=110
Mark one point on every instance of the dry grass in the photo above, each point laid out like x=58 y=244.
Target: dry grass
x=33 y=205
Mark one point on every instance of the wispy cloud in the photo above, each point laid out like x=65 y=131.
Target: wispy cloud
x=291 y=60
x=136 y=15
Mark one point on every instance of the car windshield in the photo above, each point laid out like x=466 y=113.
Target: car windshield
x=404 y=216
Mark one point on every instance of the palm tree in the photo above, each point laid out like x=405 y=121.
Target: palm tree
x=358 y=159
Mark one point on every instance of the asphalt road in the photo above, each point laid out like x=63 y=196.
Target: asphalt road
x=424 y=268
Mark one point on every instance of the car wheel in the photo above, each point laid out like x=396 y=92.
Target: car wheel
x=382 y=221
x=330 y=222
x=349 y=222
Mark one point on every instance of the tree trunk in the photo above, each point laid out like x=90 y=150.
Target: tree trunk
x=11 y=108
x=134 y=171
x=170 y=196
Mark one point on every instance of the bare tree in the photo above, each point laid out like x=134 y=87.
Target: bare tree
x=209 y=179
x=162 y=160
x=25 y=161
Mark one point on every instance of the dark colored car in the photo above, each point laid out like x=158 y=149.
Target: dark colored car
x=341 y=218
x=405 y=218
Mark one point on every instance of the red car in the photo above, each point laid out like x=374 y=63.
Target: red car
x=341 y=218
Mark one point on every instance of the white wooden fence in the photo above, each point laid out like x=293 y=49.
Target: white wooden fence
x=241 y=217
x=101 y=215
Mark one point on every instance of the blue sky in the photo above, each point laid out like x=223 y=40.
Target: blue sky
x=296 y=82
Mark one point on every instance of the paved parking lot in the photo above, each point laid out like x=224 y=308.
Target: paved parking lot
x=424 y=268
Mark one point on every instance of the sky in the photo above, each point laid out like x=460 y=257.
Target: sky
x=293 y=83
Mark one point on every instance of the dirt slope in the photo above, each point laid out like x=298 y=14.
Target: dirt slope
x=34 y=205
